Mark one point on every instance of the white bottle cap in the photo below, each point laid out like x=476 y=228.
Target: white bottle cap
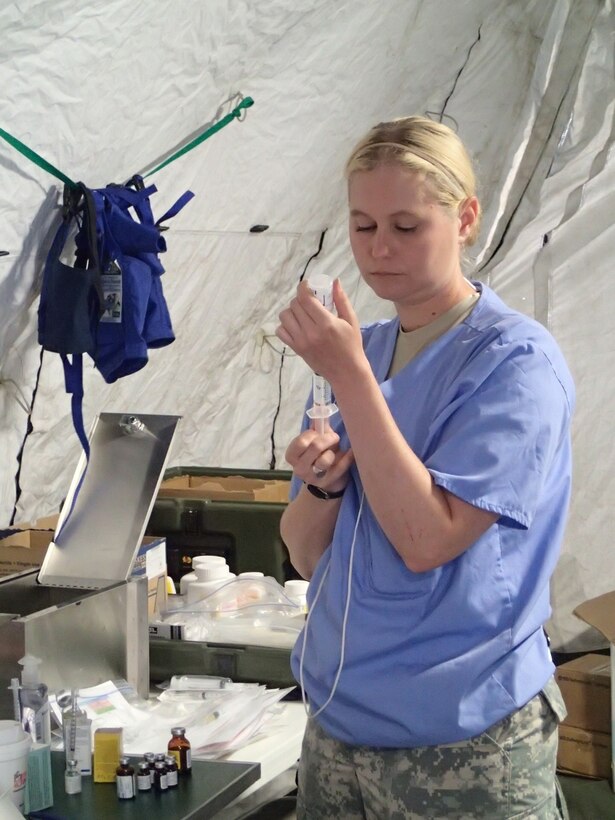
x=208 y=559
x=211 y=572
x=296 y=587
x=30 y=674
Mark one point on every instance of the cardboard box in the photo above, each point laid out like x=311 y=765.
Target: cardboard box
x=225 y=488
x=584 y=753
x=151 y=561
x=48 y=522
x=600 y=613
x=23 y=550
x=26 y=549
x=585 y=684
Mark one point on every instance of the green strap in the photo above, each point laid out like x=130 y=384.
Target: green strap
x=47 y=166
x=235 y=113
x=35 y=158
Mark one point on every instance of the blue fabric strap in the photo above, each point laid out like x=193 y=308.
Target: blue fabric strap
x=73 y=378
x=176 y=208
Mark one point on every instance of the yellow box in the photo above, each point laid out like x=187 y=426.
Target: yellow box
x=107 y=753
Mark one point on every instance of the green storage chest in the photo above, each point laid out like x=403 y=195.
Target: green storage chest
x=245 y=532
x=241 y=663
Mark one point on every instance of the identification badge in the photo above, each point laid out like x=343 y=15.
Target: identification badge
x=112 y=292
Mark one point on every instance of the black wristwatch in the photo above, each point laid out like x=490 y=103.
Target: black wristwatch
x=318 y=492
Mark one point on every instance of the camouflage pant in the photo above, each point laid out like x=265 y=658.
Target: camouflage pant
x=507 y=772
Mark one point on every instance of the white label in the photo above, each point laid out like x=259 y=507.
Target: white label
x=172 y=778
x=112 y=293
x=321 y=286
x=144 y=782
x=125 y=786
x=72 y=783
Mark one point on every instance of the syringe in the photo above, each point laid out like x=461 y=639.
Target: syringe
x=322 y=408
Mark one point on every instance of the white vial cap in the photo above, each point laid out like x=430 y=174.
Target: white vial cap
x=296 y=587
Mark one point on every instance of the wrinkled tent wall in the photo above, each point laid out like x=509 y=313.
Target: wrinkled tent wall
x=104 y=90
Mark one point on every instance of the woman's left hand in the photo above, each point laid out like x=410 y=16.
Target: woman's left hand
x=327 y=343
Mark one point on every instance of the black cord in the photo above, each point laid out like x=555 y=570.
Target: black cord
x=272 y=462
x=29 y=429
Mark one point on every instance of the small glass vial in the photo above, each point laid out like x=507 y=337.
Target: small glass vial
x=172 y=771
x=144 y=779
x=72 y=778
x=179 y=748
x=161 y=783
x=150 y=759
x=125 y=780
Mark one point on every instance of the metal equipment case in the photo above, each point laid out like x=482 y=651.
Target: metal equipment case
x=81 y=613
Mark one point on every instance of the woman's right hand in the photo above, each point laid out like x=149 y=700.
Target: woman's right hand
x=308 y=523
x=317 y=459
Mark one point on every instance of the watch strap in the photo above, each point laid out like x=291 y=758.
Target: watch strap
x=318 y=492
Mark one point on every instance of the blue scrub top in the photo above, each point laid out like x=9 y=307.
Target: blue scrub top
x=439 y=656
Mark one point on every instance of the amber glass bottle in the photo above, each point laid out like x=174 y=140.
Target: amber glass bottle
x=172 y=771
x=179 y=748
x=125 y=780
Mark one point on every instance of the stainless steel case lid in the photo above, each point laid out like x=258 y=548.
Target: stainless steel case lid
x=98 y=536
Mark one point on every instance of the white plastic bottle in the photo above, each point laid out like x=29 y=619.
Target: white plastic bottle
x=33 y=701
x=210 y=577
x=296 y=591
x=189 y=577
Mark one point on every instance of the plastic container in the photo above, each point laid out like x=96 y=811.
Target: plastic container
x=14 y=747
x=198 y=560
x=296 y=590
x=210 y=576
x=8 y=810
x=34 y=701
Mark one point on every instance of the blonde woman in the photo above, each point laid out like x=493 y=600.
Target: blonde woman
x=429 y=519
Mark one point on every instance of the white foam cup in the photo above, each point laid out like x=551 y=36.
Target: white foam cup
x=14 y=747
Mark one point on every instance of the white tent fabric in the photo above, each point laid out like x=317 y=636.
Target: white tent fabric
x=104 y=89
